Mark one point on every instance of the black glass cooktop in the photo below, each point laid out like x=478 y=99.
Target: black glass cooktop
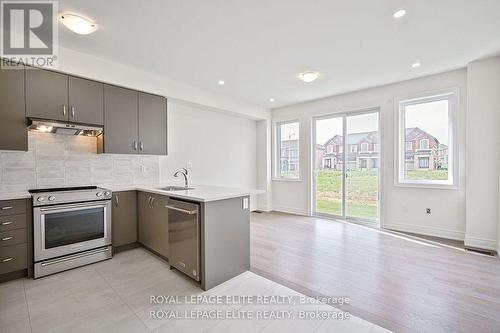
x=60 y=189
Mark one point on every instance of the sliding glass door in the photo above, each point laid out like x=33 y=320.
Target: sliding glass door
x=346 y=165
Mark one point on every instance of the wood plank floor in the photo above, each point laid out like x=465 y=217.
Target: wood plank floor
x=400 y=284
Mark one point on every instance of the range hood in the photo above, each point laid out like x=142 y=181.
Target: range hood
x=59 y=127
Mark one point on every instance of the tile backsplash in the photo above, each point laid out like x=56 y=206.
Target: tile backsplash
x=63 y=160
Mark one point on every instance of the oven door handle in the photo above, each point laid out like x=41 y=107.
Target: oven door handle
x=62 y=208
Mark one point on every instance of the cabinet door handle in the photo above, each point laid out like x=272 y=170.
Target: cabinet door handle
x=141 y=146
x=7 y=208
x=135 y=145
x=64 y=109
x=7 y=223
x=73 y=111
x=117 y=200
x=7 y=259
x=153 y=202
x=7 y=238
x=149 y=201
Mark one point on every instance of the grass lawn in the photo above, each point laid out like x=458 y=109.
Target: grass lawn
x=362 y=191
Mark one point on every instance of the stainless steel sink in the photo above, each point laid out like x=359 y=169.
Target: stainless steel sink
x=176 y=188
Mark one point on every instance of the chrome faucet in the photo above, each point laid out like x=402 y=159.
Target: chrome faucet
x=183 y=172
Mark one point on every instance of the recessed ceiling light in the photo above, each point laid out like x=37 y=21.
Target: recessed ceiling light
x=78 y=24
x=399 y=14
x=415 y=65
x=271 y=100
x=221 y=82
x=308 y=76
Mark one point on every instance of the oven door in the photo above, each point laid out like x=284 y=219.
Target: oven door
x=65 y=229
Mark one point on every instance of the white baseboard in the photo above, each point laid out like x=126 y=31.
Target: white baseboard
x=426 y=230
x=290 y=210
x=481 y=243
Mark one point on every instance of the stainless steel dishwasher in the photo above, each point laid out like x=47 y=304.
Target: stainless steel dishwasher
x=183 y=237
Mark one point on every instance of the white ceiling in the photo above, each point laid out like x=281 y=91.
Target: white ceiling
x=259 y=46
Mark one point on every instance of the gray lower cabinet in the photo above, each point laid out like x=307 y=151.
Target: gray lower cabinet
x=153 y=222
x=12 y=109
x=46 y=94
x=120 y=121
x=86 y=101
x=152 y=124
x=14 y=236
x=124 y=218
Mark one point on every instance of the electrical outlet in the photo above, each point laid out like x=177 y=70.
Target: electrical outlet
x=428 y=211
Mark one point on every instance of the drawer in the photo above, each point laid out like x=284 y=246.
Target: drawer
x=13 y=258
x=12 y=207
x=11 y=222
x=12 y=237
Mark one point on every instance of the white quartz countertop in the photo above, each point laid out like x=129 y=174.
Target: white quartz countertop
x=201 y=193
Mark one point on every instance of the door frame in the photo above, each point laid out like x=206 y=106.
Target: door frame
x=344 y=115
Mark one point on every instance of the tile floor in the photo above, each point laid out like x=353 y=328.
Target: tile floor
x=114 y=296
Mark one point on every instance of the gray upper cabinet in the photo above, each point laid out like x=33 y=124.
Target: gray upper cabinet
x=152 y=124
x=12 y=110
x=46 y=94
x=120 y=121
x=86 y=101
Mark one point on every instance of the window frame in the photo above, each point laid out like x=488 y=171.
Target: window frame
x=277 y=151
x=452 y=95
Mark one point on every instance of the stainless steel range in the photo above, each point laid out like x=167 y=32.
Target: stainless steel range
x=71 y=228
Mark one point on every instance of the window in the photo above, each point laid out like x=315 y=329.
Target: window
x=287 y=150
x=354 y=149
x=330 y=149
x=340 y=149
x=362 y=163
x=364 y=147
x=423 y=162
x=424 y=144
x=376 y=147
x=429 y=121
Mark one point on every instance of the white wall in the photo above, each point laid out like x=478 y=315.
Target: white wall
x=403 y=208
x=483 y=138
x=222 y=148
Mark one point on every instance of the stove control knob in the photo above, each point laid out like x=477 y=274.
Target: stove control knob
x=99 y=194
x=107 y=193
x=52 y=198
x=40 y=199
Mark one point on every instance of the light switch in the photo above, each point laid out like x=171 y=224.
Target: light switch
x=245 y=203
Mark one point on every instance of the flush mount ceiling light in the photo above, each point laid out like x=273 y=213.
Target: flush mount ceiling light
x=415 y=65
x=78 y=24
x=399 y=13
x=221 y=82
x=308 y=76
x=271 y=100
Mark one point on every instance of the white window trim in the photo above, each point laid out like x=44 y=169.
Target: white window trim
x=406 y=145
x=400 y=142
x=351 y=148
x=276 y=151
x=367 y=147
